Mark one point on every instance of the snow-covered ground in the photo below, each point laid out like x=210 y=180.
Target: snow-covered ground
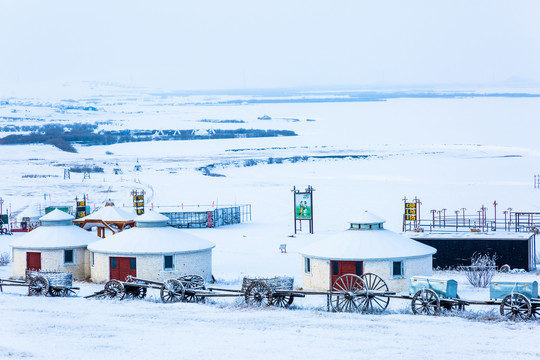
x=451 y=153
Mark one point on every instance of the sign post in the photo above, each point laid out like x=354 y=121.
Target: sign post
x=303 y=208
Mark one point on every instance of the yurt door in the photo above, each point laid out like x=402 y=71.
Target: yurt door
x=121 y=267
x=33 y=261
x=339 y=268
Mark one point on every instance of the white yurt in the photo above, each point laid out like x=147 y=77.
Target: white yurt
x=366 y=247
x=56 y=245
x=151 y=250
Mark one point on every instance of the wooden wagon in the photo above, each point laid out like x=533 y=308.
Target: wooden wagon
x=171 y=290
x=44 y=283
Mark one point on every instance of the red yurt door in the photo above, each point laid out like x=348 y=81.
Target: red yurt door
x=33 y=261
x=339 y=268
x=121 y=267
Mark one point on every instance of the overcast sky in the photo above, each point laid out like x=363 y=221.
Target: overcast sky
x=266 y=44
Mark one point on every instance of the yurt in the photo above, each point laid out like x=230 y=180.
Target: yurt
x=151 y=250
x=56 y=245
x=108 y=220
x=366 y=247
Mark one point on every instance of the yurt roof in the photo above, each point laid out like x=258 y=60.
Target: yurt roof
x=31 y=212
x=56 y=218
x=54 y=237
x=151 y=219
x=151 y=240
x=367 y=218
x=360 y=245
x=110 y=213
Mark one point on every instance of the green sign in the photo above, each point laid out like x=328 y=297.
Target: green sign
x=302 y=203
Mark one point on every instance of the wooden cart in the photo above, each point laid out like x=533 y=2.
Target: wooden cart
x=44 y=283
x=172 y=290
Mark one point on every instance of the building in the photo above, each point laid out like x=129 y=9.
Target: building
x=516 y=249
x=366 y=247
x=108 y=220
x=56 y=245
x=152 y=250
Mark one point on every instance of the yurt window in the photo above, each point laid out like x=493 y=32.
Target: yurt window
x=168 y=262
x=92 y=259
x=397 y=269
x=307 y=265
x=68 y=256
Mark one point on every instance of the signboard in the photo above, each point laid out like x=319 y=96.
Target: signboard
x=410 y=211
x=303 y=204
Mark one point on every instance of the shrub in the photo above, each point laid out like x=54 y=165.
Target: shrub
x=481 y=271
x=5 y=258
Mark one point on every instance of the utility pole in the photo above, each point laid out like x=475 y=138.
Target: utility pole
x=495 y=212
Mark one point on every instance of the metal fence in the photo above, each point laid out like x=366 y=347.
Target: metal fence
x=206 y=216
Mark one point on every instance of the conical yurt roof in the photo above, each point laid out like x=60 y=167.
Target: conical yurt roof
x=367 y=244
x=151 y=236
x=110 y=213
x=56 y=232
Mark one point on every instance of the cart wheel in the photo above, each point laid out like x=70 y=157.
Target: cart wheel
x=283 y=301
x=193 y=282
x=516 y=307
x=375 y=283
x=135 y=292
x=349 y=294
x=452 y=305
x=172 y=291
x=38 y=286
x=535 y=312
x=258 y=293
x=425 y=302
x=115 y=289
x=57 y=291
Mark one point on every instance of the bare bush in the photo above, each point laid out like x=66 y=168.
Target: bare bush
x=5 y=259
x=481 y=271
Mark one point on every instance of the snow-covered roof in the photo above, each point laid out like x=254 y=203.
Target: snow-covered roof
x=360 y=245
x=31 y=212
x=54 y=237
x=367 y=218
x=151 y=219
x=57 y=218
x=110 y=214
x=151 y=240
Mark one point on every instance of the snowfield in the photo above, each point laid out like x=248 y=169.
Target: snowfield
x=451 y=153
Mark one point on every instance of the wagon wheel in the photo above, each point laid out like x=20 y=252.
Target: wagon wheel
x=192 y=279
x=258 y=293
x=452 y=305
x=535 y=311
x=283 y=301
x=516 y=307
x=425 y=302
x=115 y=289
x=38 y=286
x=193 y=282
x=172 y=291
x=136 y=292
x=349 y=294
x=374 y=283
x=54 y=291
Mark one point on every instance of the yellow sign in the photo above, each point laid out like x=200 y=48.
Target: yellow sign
x=81 y=203
x=410 y=217
x=410 y=205
x=410 y=211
